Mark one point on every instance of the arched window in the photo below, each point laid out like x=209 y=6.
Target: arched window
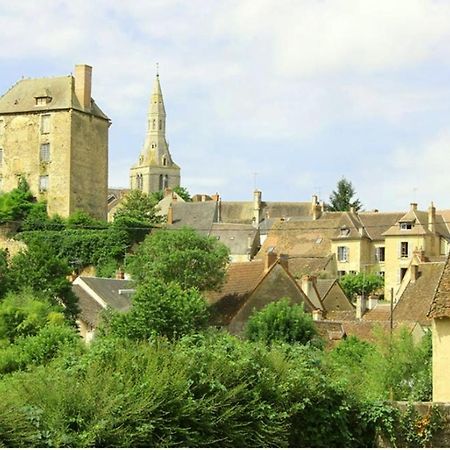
x=164 y=160
x=139 y=181
x=160 y=124
x=154 y=124
x=166 y=181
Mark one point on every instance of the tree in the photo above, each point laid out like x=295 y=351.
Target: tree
x=281 y=322
x=361 y=283
x=341 y=199
x=161 y=309
x=15 y=205
x=183 y=256
x=180 y=190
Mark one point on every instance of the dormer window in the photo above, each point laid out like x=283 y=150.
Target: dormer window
x=406 y=225
x=43 y=101
x=344 y=232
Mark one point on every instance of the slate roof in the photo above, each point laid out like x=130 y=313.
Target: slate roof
x=324 y=285
x=376 y=223
x=236 y=236
x=440 y=306
x=415 y=302
x=21 y=97
x=90 y=309
x=197 y=215
x=308 y=265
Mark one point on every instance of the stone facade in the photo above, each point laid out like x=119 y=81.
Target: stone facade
x=53 y=134
x=155 y=169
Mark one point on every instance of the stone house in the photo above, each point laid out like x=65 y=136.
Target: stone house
x=53 y=133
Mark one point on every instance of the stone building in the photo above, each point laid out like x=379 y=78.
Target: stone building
x=53 y=134
x=155 y=169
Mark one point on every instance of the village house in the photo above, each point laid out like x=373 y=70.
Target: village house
x=54 y=135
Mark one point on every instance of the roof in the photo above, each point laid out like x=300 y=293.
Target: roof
x=21 y=97
x=416 y=299
x=197 y=215
x=90 y=309
x=329 y=330
x=238 y=237
x=440 y=305
x=108 y=290
x=380 y=313
x=376 y=223
x=305 y=265
x=324 y=285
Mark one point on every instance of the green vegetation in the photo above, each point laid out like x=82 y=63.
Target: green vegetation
x=183 y=256
x=180 y=190
x=282 y=322
x=361 y=283
x=342 y=198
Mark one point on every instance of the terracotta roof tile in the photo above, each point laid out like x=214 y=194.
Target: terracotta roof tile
x=440 y=306
x=381 y=312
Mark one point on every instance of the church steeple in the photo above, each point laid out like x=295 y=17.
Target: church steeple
x=155 y=160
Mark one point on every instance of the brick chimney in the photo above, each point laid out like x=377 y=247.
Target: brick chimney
x=270 y=259
x=170 y=215
x=316 y=208
x=284 y=261
x=413 y=206
x=83 y=85
x=307 y=284
x=432 y=218
x=414 y=272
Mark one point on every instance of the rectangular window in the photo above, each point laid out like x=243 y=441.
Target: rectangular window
x=342 y=254
x=43 y=183
x=45 y=152
x=404 y=250
x=380 y=254
x=341 y=273
x=406 y=226
x=45 y=124
x=381 y=274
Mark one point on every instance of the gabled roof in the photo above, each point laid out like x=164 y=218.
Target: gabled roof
x=21 y=97
x=308 y=265
x=376 y=223
x=198 y=216
x=380 y=313
x=324 y=285
x=440 y=306
x=238 y=237
x=414 y=304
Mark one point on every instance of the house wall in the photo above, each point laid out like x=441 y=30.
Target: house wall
x=358 y=254
x=89 y=165
x=441 y=359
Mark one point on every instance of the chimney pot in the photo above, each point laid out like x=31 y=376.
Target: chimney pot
x=414 y=206
x=270 y=259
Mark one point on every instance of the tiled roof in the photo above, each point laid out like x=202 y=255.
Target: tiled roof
x=90 y=309
x=381 y=313
x=414 y=304
x=376 y=223
x=332 y=332
x=324 y=285
x=21 y=97
x=440 y=306
x=197 y=215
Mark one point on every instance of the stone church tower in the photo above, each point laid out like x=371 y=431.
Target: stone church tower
x=155 y=169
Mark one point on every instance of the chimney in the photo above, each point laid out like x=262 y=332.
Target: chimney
x=413 y=206
x=270 y=259
x=167 y=191
x=317 y=314
x=420 y=254
x=257 y=207
x=219 y=209
x=83 y=85
x=432 y=218
x=170 y=215
x=216 y=197
x=352 y=210
x=174 y=197
x=373 y=301
x=360 y=306
x=120 y=274
x=249 y=244
x=414 y=273
x=307 y=284
x=284 y=261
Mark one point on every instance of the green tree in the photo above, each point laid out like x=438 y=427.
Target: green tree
x=342 y=198
x=161 y=309
x=282 y=322
x=361 y=283
x=15 y=205
x=40 y=270
x=180 y=190
x=182 y=256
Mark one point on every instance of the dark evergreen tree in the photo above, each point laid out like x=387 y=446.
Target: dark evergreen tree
x=342 y=198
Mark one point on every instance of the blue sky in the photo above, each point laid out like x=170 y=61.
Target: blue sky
x=300 y=92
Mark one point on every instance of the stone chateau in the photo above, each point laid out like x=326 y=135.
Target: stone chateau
x=53 y=133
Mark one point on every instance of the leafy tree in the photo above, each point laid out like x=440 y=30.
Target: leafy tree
x=183 y=256
x=81 y=219
x=161 y=309
x=15 y=205
x=40 y=270
x=361 y=283
x=283 y=322
x=341 y=198
x=183 y=193
x=37 y=219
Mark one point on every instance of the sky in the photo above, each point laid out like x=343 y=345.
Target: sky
x=287 y=96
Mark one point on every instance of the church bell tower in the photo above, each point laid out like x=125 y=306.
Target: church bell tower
x=155 y=169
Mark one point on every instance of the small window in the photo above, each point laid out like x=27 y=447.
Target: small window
x=403 y=271
x=380 y=254
x=342 y=254
x=1 y=157
x=406 y=225
x=42 y=101
x=160 y=124
x=345 y=231
x=404 y=250
x=45 y=123
x=154 y=124
x=341 y=273
x=164 y=161
x=139 y=181
x=45 y=152
x=381 y=274
x=43 y=183
x=319 y=240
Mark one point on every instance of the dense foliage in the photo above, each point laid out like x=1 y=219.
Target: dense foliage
x=183 y=256
x=16 y=204
x=361 y=283
x=282 y=322
x=161 y=309
x=342 y=198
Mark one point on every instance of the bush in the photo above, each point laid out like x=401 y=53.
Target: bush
x=282 y=322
